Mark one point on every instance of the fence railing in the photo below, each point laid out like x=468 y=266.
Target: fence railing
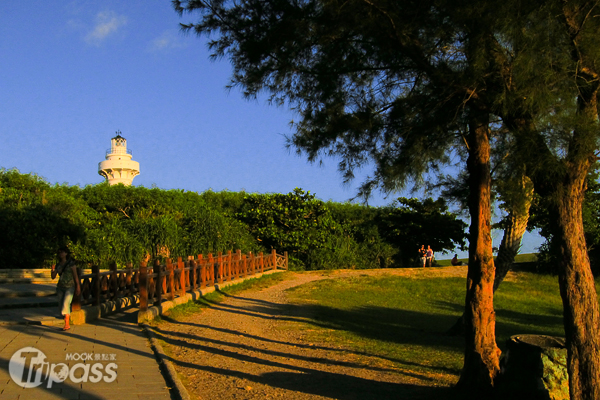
x=166 y=281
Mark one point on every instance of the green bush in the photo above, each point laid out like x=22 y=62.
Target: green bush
x=103 y=224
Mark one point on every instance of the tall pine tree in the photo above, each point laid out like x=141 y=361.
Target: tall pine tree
x=396 y=82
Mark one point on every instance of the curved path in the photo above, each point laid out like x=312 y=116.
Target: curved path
x=254 y=346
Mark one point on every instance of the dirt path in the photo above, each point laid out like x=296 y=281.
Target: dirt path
x=247 y=347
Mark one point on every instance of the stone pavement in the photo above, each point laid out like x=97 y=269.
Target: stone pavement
x=115 y=339
x=29 y=318
x=28 y=303
x=10 y=290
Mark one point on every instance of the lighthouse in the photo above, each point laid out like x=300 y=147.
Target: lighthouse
x=118 y=166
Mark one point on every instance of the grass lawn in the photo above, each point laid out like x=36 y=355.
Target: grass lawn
x=404 y=320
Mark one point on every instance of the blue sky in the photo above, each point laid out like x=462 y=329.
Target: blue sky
x=74 y=72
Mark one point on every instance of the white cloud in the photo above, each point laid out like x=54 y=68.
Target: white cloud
x=107 y=24
x=168 y=40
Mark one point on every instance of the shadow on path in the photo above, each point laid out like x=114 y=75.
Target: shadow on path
x=335 y=386
x=328 y=371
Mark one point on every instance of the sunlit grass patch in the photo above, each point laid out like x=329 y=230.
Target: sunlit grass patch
x=404 y=321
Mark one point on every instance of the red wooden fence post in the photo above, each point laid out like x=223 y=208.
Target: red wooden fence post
x=234 y=265
x=96 y=285
x=211 y=270
x=158 y=282
x=164 y=279
x=250 y=263
x=285 y=254
x=220 y=266
x=202 y=266
x=261 y=262
x=171 y=273
x=228 y=266
x=181 y=268
x=188 y=270
x=114 y=288
x=273 y=259
x=193 y=269
x=128 y=276
x=225 y=260
x=143 y=287
x=244 y=266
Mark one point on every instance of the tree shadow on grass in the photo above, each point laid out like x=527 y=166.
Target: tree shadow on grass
x=380 y=323
x=511 y=322
x=390 y=325
x=550 y=318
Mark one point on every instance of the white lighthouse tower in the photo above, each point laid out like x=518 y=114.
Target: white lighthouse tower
x=118 y=166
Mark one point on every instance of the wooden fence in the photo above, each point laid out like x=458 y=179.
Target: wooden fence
x=165 y=281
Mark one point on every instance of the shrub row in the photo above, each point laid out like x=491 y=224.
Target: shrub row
x=102 y=223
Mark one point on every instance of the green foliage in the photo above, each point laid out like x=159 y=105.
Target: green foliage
x=135 y=221
x=226 y=202
x=409 y=223
x=397 y=83
x=295 y=222
x=360 y=240
x=331 y=235
x=35 y=219
x=103 y=223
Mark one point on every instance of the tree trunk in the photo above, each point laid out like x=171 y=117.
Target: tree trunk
x=481 y=363
x=520 y=202
x=580 y=301
x=577 y=289
x=511 y=242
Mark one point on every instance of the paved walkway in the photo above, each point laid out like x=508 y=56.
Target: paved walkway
x=10 y=290
x=116 y=339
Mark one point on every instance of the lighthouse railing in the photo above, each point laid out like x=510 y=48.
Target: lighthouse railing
x=117 y=150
